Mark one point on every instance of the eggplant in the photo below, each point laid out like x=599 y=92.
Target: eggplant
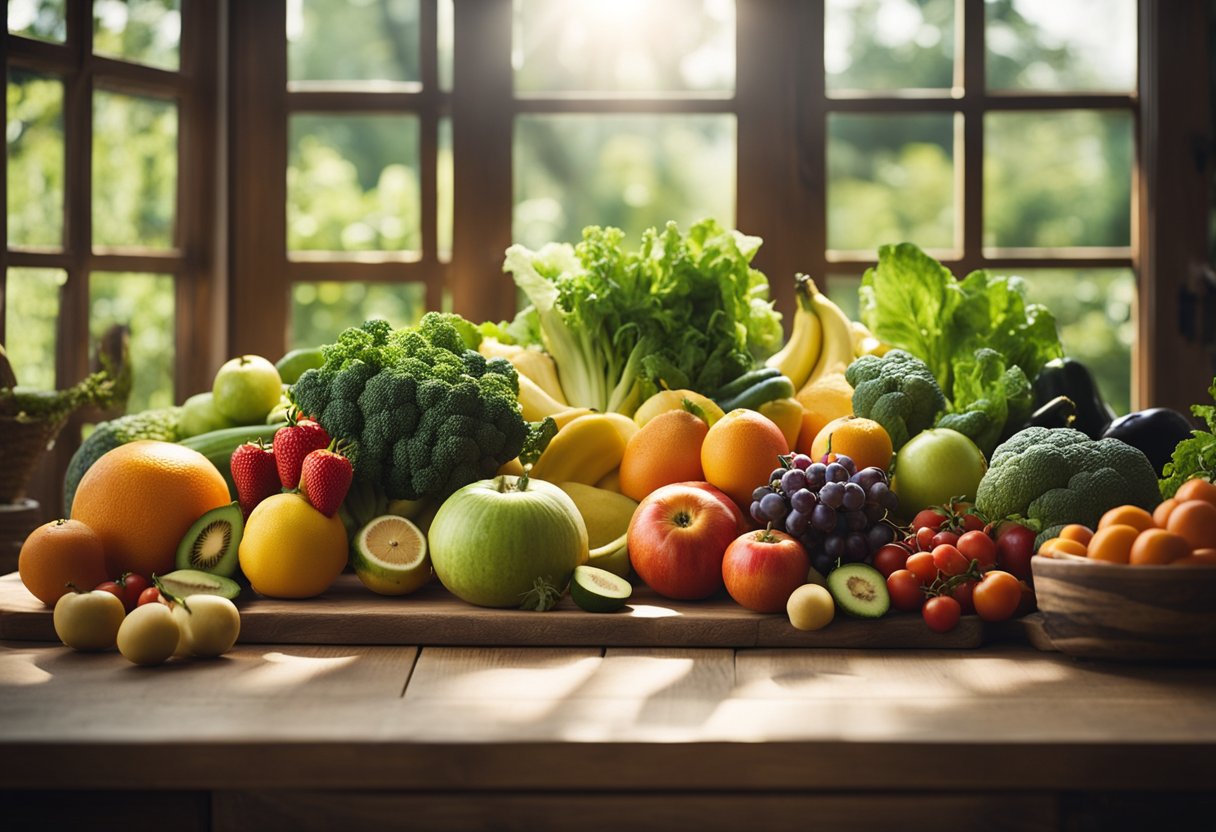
x=1156 y=432
x=1069 y=377
x=1060 y=412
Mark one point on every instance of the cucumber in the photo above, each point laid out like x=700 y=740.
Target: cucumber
x=777 y=387
x=218 y=446
x=748 y=379
x=598 y=590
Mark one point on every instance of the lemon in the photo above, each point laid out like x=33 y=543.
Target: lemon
x=390 y=556
x=291 y=550
x=605 y=513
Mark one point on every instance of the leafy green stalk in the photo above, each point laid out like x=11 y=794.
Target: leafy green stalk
x=1194 y=457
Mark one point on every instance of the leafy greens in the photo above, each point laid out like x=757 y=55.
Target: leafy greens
x=1194 y=457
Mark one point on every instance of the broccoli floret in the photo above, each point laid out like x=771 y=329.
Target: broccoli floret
x=898 y=391
x=1059 y=476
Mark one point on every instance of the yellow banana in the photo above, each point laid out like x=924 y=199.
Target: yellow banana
x=610 y=481
x=567 y=416
x=865 y=342
x=837 y=352
x=613 y=556
x=535 y=403
x=536 y=365
x=583 y=451
x=625 y=426
x=797 y=358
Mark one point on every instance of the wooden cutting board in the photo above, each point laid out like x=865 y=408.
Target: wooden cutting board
x=350 y=614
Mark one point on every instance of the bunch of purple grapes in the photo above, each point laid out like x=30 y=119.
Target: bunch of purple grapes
x=837 y=512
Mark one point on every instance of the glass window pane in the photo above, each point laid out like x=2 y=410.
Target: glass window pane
x=884 y=45
x=1094 y=310
x=352 y=184
x=141 y=31
x=134 y=171
x=145 y=303
x=1081 y=45
x=624 y=46
x=890 y=178
x=446 y=187
x=842 y=291
x=31 y=316
x=34 y=139
x=40 y=19
x=628 y=171
x=352 y=40
x=447 y=40
x=320 y=311
x=1057 y=179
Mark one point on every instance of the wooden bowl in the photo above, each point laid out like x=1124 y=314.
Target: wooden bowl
x=1134 y=613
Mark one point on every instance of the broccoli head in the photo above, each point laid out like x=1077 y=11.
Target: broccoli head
x=898 y=391
x=1057 y=476
x=425 y=413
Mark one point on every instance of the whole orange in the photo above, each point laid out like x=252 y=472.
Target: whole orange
x=666 y=449
x=142 y=497
x=863 y=440
x=739 y=453
x=59 y=553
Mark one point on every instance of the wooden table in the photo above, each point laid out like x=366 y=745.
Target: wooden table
x=312 y=736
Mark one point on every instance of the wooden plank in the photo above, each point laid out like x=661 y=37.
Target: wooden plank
x=349 y=614
x=639 y=812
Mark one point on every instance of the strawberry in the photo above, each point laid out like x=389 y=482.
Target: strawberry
x=292 y=444
x=326 y=479
x=255 y=474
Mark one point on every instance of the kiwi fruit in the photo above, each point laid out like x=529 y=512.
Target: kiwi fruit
x=211 y=544
x=859 y=590
x=186 y=582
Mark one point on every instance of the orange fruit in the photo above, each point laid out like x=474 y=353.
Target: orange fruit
x=1127 y=516
x=823 y=400
x=1194 y=520
x=1199 y=557
x=739 y=453
x=863 y=440
x=1113 y=543
x=59 y=553
x=1077 y=532
x=1161 y=514
x=666 y=449
x=1157 y=546
x=1196 y=489
x=1062 y=545
x=142 y=497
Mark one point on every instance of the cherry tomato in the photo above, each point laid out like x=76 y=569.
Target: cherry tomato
x=944 y=538
x=976 y=545
x=941 y=613
x=905 y=592
x=133 y=586
x=151 y=595
x=928 y=518
x=922 y=566
x=889 y=558
x=949 y=560
x=963 y=593
x=924 y=539
x=1014 y=548
x=998 y=596
x=973 y=523
x=114 y=589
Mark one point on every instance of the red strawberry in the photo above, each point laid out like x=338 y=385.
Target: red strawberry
x=255 y=474
x=292 y=444
x=326 y=479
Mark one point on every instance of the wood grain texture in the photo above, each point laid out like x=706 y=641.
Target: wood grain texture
x=350 y=614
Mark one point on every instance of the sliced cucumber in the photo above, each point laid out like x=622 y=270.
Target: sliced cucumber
x=186 y=582
x=859 y=590
x=598 y=590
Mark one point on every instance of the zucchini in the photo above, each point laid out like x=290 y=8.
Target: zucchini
x=218 y=446
x=749 y=379
x=778 y=387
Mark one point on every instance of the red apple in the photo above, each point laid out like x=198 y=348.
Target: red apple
x=677 y=537
x=762 y=569
x=744 y=522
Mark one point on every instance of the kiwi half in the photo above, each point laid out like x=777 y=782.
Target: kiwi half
x=186 y=582
x=212 y=543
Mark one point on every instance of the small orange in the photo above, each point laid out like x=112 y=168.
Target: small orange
x=1199 y=557
x=740 y=451
x=863 y=440
x=1157 y=546
x=1196 y=489
x=1062 y=545
x=666 y=449
x=1113 y=543
x=1161 y=514
x=1195 y=520
x=59 y=553
x=1075 y=531
x=1127 y=516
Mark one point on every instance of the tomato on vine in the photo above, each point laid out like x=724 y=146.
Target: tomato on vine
x=942 y=613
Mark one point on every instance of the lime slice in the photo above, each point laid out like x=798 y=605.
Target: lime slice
x=390 y=556
x=598 y=590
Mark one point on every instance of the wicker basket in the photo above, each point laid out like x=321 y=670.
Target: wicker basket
x=22 y=444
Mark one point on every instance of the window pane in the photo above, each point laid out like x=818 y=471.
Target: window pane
x=1057 y=179
x=1048 y=45
x=628 y=171
x=142 y=31
x=31 y=313
x=446 y=187
x=352 y=184
x=842 y=291
x=134 y=171
x=34 y=139
x=352 y=40
x=320 y=311
x=1094 y=312
x=884 y=45
x=890 y=179
x=145 y=303
x=447 y=40
x=41 y=19
x=624 y=46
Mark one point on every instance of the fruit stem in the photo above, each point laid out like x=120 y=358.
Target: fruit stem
x=766 y=535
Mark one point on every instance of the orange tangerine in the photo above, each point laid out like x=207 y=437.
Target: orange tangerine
x=1075 y=531
x=739 y=453
x=1196 y=489
x=1157 y=546
x=1062 y=545
x=1161 y=514
x=1127 y=516
x=666 y=449
x=59 y=553
x=1113 y=543
x=863 y=440
x=1194 y=520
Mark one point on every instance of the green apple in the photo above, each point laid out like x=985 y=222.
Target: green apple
x=936 y=466
x=200 y=416
x=292 y=365
x=246 y=388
